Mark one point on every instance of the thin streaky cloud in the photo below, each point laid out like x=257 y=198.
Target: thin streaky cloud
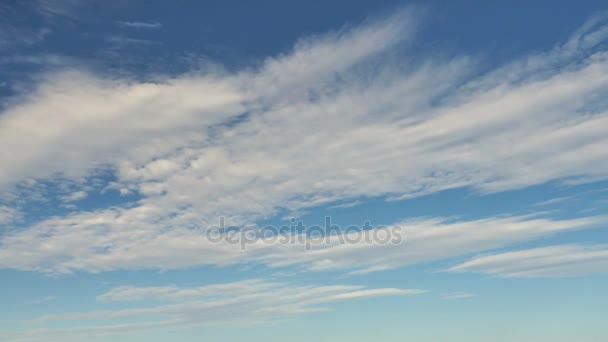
x=552 y=201
x=347 y=205
x=457 y=295
x=235 y=304
x=139 y=24
x=543 y=262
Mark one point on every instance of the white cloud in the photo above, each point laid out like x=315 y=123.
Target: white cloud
x=346 y=205
x=118 y=41
x=43 y=300
x=552 y=261
x=241 y=303
x=138 y=239
x=139 y=24
x=422 y=241
x=173 y=293
x=70 y=9
x=336 y=119
x=553 y=201
x=8 y=215
x=74 y=196
x=11 y=36
x=36 y=59
x=457 y=295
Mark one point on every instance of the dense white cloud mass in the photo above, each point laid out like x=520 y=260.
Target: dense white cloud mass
x=337 y=118
x=248 y=302
x=552 y=261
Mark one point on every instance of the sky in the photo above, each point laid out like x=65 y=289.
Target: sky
x=310 y=170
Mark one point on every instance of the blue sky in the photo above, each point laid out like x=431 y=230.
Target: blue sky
x=471 y=133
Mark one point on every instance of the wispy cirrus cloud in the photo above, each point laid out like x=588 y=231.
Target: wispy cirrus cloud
x=11 y=36
x=8 y=215
x=243 y=303
x=176 y=293
x=346 y=205
x=336 y=119
x=43 y=300
x=130 y=239
x=552 y=261
x=553 y=201
x=139 y=24
x=457 y=295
